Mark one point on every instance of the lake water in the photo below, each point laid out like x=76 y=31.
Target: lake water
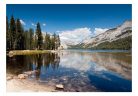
x=78 y=70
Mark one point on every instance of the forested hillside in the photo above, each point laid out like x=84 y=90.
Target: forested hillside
x=122 y=44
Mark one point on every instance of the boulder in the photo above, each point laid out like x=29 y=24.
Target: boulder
x=9 y=77
x=28 y=72
x=59 y=86
x=22 y=76
x=31 y=72
x=34 y=71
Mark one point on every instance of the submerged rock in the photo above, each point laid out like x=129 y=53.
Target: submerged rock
x=59 y=86
x=31 y=72
x=9 y=77
x=22 y=76
x=28 y=72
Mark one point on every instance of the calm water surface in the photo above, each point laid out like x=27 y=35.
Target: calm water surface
x=78 y=70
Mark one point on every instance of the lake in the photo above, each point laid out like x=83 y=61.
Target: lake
x=78 y=70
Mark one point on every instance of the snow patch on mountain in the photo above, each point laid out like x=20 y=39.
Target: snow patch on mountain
x=111 y=34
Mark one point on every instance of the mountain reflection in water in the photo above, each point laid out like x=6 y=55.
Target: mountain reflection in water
x=78 y=71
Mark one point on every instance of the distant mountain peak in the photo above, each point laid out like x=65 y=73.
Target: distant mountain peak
x=110 y=35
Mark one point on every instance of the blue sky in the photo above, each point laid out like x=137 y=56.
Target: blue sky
x=59 y=17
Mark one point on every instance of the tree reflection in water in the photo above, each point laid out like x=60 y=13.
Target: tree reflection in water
x=39 y=62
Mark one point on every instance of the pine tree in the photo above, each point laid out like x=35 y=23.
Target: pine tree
x=19 y=42
x=31 y=33
x=47 y=42
x=12 y=31
x=52 y=39
x=35 y=41
x=58 y=41
x=39 y=37
x=26 y=37
x=55 y=42
x=7 y=35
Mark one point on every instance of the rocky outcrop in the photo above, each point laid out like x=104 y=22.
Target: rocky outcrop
x=110 y=35
x=114 y=34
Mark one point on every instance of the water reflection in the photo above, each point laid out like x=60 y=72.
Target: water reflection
x=41 y=62
x=98 y=62
x=78 y=71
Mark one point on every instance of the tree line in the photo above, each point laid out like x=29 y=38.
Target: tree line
x=19 y=39
x=121 y=44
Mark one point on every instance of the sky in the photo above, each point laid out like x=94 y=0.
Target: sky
x=71 y=21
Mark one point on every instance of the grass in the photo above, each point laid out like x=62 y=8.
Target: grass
x=27 y=52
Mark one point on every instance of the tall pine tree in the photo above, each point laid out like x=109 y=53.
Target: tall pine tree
x=52 y=39
x=12 y=31
x=19 y=41
x=31 y=33
x=47 y=42
x=26 y=41
x=39 y=37
x=7 y=35
x=58 y=41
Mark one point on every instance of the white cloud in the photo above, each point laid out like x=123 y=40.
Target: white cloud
x=44 y=24
x=22 y=22
x=74 y=36
x=33 y=24
x=98 y=31
x=79 y=64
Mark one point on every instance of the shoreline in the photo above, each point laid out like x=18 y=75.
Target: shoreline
x=29 y=52
x=14 y=84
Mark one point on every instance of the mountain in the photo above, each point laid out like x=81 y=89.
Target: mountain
x=119 y=37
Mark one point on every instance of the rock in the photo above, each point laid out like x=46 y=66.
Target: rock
x=11 y=53
x=64 y=79
x=22 y=76
x=31 y=72
x=59 y=86
x=35 y=71
x=28 y=72
x=9 y=77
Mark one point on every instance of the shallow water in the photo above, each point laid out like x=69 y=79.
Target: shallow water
x=78 y=70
